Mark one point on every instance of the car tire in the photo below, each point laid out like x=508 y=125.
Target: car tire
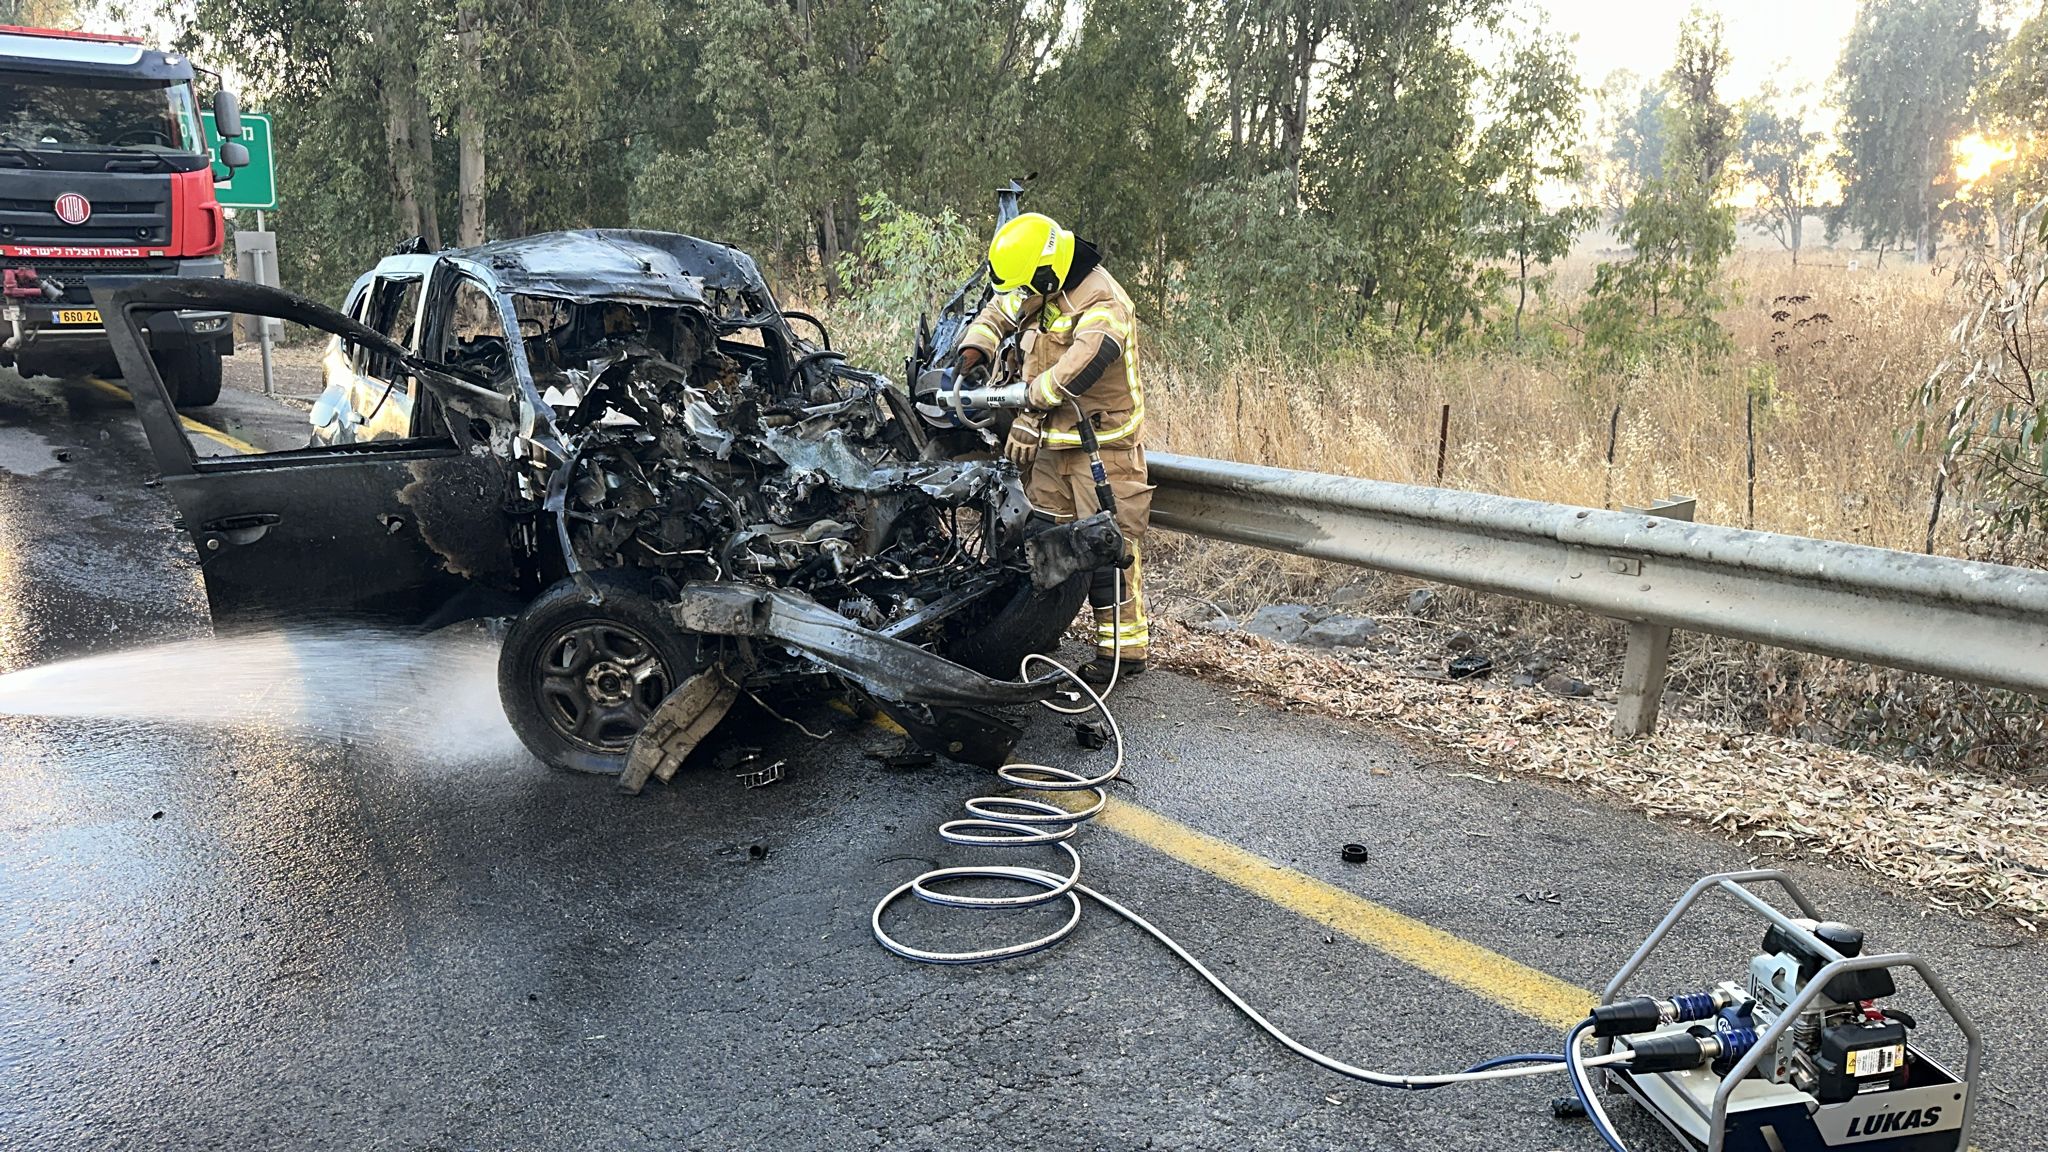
x=578 y=681
x=1025 y=621
x=192 y=375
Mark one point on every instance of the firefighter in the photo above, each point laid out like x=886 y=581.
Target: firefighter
x=1079 y=339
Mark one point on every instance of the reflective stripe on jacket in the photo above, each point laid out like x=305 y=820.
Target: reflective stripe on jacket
x=1080 y=344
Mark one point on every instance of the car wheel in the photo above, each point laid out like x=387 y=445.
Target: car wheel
x=1017 y=622
x=579 y=681
x=192 y=375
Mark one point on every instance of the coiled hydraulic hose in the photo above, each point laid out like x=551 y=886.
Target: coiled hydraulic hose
x=1013 y=821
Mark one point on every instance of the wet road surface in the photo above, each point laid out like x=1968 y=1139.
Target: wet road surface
x=259 y=936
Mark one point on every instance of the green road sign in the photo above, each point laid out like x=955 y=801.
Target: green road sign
x=251 y=187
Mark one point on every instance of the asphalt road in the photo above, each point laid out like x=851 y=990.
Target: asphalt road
x=280 y=932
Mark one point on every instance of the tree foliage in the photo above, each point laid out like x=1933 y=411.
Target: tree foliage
x=1326 y=166
x=1783 y=159
x=2013 y=106
x=1679 y=226
x=1525 y=151
x=1631 y=129
x=1903 y=86
x=1987 y=403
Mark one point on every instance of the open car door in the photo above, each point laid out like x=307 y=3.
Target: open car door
x=403 y=531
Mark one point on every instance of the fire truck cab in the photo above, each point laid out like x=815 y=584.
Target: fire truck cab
x=105 y=175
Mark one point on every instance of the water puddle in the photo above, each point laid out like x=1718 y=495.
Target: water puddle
x=23 y=453
x=433 y=695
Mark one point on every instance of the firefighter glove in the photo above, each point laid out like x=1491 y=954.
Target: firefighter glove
x=973 y=364
x=1022 y=446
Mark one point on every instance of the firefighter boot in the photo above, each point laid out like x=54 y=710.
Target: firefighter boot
x=1121 y=630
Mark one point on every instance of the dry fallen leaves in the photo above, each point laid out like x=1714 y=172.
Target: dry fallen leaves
x=1968 y=843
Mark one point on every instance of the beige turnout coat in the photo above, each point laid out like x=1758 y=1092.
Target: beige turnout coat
x=1079 y=344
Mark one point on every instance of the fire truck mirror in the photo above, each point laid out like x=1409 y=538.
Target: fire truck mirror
x=234 y=154
x=227 y=120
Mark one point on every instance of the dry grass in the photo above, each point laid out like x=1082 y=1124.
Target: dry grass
x=1969 y=845
x=1833 y=375
x=1831 y=356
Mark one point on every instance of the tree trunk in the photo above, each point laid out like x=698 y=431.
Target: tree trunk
x=470 y=127
x=423 y=159
x=1798 y=233
x=1522 y=281
x=398 y=89
x=1923 y=235
x=829 y=251
x=403 y=156
x=1295 y=131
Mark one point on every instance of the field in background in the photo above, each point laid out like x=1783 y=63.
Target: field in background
x=1827 y=358
x=1830 y=357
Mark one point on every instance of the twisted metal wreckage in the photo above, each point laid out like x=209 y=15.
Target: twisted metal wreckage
x=672 y=498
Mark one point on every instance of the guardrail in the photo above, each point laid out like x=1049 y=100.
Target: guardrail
x=1986 y=623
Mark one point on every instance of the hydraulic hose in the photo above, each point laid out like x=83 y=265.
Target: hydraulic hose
x=1589 y=1097
x=1011 y=820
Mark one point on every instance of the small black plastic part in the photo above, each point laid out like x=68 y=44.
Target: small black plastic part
x=1567 y=1108
x=1869 y=984
x=1627 y=1017
x=1354 y=854
x=1090 y=734
x=1843 y=938
x=1469 y=665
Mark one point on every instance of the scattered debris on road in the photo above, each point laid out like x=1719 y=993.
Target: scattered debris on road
x=762 y=777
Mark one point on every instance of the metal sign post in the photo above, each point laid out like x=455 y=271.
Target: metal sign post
x=252 y=186
x=256 y=262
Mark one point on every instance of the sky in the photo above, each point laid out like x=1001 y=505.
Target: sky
x=1795 y=42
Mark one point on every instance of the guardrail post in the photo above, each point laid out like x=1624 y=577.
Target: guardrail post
x=1649 y=650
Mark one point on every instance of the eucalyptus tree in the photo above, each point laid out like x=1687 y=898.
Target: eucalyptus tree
x=1783 y=159
x=1903 y=86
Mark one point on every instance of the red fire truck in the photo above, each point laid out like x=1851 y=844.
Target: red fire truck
x=105 y=174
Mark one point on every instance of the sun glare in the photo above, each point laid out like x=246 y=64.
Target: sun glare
x=1976 y=156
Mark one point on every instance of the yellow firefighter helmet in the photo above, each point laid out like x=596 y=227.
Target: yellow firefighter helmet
x=1032 y=252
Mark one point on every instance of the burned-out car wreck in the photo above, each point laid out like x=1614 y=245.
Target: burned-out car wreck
x=617 y=442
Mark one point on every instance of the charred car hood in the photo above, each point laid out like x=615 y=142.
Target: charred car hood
x=620 y=264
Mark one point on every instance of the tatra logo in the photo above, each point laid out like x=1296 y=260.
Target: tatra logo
x=73 y=208
x=1894 y=1121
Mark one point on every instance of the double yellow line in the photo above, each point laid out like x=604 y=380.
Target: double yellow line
x=190 y=425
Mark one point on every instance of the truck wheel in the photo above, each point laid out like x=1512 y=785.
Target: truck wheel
x=579 y=681
x=994 y=640
x=191 y=374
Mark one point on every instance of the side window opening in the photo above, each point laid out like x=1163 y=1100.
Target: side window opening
x=476 y=336
x=323 y=398
x=393 y=308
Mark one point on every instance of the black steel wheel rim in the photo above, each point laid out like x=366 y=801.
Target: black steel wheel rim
x=598 y=682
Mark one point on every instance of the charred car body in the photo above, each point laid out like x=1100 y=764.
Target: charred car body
x=617 y=441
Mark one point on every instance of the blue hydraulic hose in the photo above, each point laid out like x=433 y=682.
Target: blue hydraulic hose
x=1575 y=1075
x=1496 y=1062
x=1518 y=1058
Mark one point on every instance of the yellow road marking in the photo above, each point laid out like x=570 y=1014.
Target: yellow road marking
x=207 y=430
x=1509 y=983
x=1452 y=959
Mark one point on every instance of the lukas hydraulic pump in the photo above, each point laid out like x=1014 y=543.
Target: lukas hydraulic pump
x=1802 y=1053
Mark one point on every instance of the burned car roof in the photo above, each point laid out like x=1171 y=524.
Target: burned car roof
x=620 y=263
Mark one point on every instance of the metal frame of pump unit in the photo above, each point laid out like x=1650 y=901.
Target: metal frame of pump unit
x=1732 y=883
